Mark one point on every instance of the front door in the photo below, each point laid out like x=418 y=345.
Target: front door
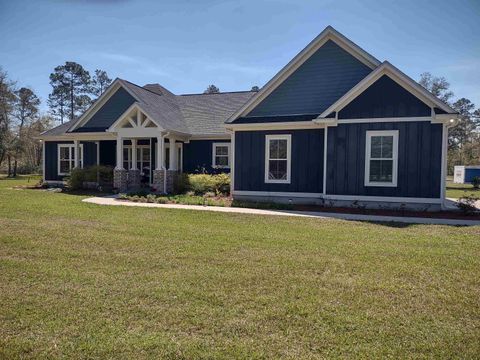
x=143 y=163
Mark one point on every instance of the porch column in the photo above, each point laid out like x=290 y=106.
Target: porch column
x=76 y=146
x=172 y=155
x=134 y=154
x=160 y=152
x=119 y=153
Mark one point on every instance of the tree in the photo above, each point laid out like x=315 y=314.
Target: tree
x=7 y=102
x=461 y=133
x=255 y=88
x=25 y=112
x=71 y=85
x=438 y=86
x=57 y=102
x=212 y=89
x=100 y=82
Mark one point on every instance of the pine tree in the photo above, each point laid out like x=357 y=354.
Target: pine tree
x=100 y=82
x=212 y=89
x=71 y=85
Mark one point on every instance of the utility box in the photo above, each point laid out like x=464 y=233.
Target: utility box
x=465 y=174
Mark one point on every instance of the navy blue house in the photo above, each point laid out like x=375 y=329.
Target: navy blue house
x=335 y=125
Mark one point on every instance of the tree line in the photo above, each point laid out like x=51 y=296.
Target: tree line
x=74 y=90
x=21 y=121
x=464 y=137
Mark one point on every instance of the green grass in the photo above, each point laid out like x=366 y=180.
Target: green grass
x=458 y=190
x=79 y=280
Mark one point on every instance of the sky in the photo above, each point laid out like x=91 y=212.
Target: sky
x=185 y=45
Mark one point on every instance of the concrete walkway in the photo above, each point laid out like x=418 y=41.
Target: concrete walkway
x=113 y=201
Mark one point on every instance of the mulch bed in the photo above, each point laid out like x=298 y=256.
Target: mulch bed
x=386 y=212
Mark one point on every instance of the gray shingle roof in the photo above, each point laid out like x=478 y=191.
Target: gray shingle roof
x=207 y=113
x=194 y=114
x=59 y=130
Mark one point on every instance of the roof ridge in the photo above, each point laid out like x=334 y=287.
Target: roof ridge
x=141 y=87
x=219 y=93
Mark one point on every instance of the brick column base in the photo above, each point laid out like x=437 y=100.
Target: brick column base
x=158 y=180
x=120 y=179
x=133 y=179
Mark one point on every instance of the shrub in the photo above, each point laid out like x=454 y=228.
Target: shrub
x=103 y=175
x=476 y=182
x=201 y=184
x=467 y=204
x=180 y=184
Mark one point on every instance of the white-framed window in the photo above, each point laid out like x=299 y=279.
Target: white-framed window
x=143 y=157
x=381 y=158
x=221 y=155
x=278 y=150
x=66 y=158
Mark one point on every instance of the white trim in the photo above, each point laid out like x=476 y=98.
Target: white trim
x=368 y=142
x=43 y=161
x=88 y=114
x=280 y=125
x=338 y=197
x=325 y=157
x=278 y=193
x=381 y=120
x=70 y=147
x=88 y=136
x=210 y=137
x=329 y=33
x=396 y=75
x=443 y=173
x=385 y=199
x=268 y=138
x=98 y=152
x=214 y=154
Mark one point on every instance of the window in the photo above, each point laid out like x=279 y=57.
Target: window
x=277 y=158
x=143 y=158
x=221 y=155
x=66 y=158
x=381 y=158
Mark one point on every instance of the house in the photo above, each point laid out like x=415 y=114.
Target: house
x=334 y=125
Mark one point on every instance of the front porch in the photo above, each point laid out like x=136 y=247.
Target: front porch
x=143 y=160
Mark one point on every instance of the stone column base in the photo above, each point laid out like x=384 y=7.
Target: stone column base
x=133 y=180
x=171 y=177
x=120 y=179
x=158 y=180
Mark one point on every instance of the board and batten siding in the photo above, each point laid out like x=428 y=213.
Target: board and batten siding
x=118 y=103
x=306 y=161
x=51 y=157
x=197 y=156
x=321 y=80
x=384 y=99
x=419 y=159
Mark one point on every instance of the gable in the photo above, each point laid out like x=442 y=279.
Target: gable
x=118 y=103
x=322 y=79
x=385 y=98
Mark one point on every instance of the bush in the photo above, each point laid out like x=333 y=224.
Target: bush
x=180 y=184
x=467 y=204
x=103 y=175
x=201 y=184
x=476 y=182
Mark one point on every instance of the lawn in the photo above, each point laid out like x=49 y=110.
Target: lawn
x=80 y=280
x=458 y=190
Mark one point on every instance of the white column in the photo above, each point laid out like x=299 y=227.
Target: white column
x=76 y=146
x=232 y=162
x=173 y=154
x=160 y=152
x=119 y=153
x=134 y=154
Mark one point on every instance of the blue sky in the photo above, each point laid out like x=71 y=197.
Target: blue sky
x=187 y=45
